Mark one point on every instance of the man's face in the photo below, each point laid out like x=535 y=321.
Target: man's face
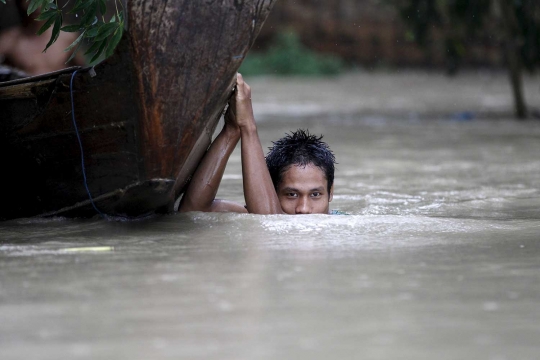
x=303 y=190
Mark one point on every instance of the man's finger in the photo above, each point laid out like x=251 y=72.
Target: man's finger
x=239 y=84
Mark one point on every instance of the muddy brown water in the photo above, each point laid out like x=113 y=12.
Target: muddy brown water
x=439 y=257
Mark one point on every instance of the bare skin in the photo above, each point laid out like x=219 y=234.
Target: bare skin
x=25 y=50
x=302 y=191
x=259 y=192
x=201 y=192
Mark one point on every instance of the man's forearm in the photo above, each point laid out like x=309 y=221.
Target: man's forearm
x=259 y=192
x=204 y=184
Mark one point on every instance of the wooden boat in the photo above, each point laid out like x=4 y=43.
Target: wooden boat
x=145 y=116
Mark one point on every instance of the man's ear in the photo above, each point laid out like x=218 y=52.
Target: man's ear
x=331 y=193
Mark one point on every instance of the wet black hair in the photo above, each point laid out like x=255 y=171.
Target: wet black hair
x=300 y=148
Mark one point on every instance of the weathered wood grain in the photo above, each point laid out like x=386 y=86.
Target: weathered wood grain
x=145 y=118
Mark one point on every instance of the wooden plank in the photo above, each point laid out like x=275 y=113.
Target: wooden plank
x=23 y=91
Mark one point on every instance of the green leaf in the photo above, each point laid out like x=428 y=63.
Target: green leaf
x=95 y=46
x=106 y=30
x=92 y=31
x=91 y=21
x=47 y=24
x=89 y=15
x=78 y=40
x=98 y=53
x=46 y=15
x=74 y=53
x=102 y=6
x=114 y=40
x=55 y=32
x=48 y=4
x=77 y=3
x=33 y=6
x=81 y=5
x=71 y=28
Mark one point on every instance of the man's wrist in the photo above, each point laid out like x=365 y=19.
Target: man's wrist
x=231 y=131
x=249 y=128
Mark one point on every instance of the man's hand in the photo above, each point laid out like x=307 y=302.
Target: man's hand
x=240 y=112
x=259 y=192
x=230 y=115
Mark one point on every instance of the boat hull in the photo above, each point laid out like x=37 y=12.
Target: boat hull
x=145 y=116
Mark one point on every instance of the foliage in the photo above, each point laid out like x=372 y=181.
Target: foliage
x=287 y=56
x=102 y=36
x=461 y=21
x=515 y=24
x=528 y=22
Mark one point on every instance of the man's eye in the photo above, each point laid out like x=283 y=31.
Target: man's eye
x=292 y=194
x=316 y=194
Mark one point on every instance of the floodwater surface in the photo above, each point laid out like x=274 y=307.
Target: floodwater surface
x=439 y=258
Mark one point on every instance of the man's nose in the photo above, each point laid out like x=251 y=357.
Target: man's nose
x=302 y=206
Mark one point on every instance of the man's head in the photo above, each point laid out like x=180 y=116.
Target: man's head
x=302 y=170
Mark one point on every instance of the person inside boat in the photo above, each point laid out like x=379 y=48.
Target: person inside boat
x=22 y=49
x=296 y=177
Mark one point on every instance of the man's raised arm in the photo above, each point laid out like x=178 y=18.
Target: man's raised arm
x=259 y=191
x=202 y=189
